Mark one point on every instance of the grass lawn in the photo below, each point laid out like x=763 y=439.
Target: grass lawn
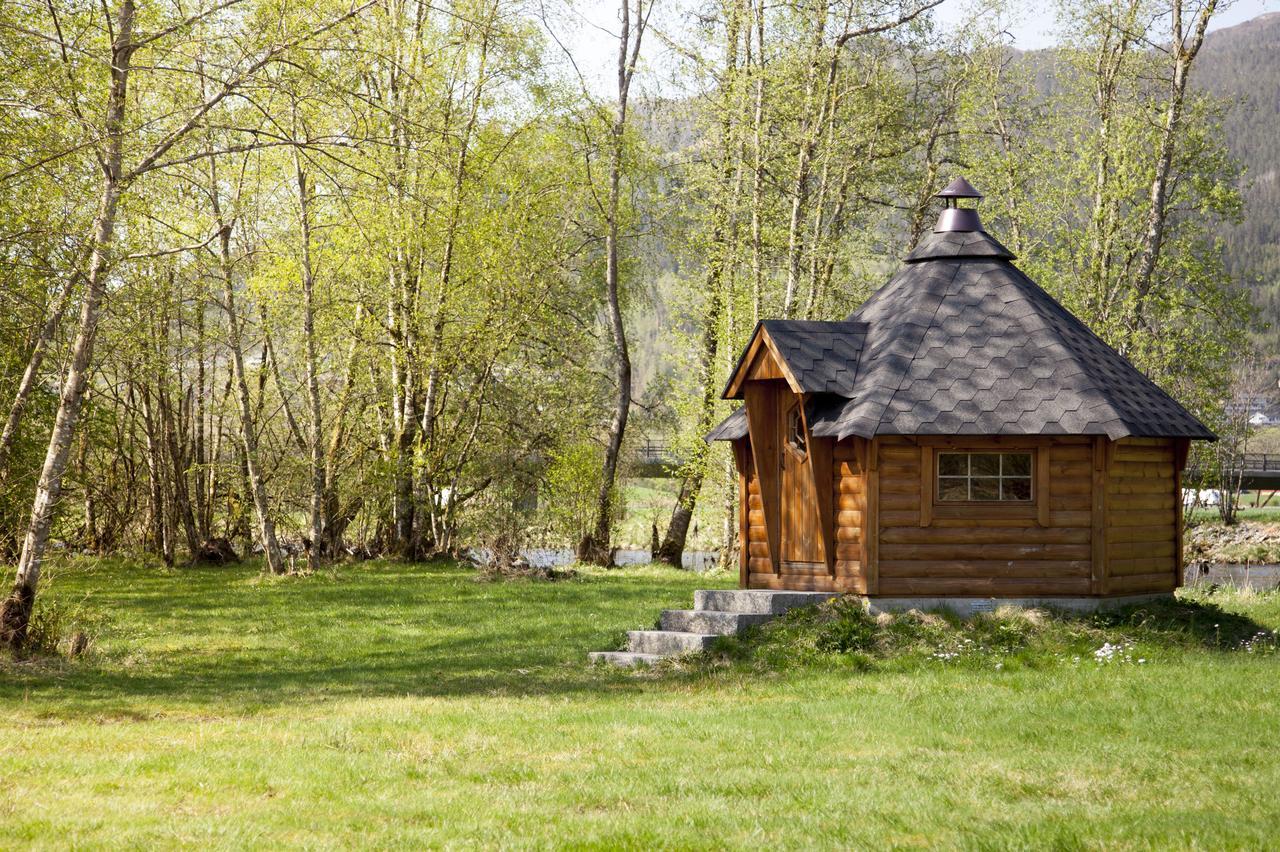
x=408 y=705
x=1269 y=514
x=648 y=501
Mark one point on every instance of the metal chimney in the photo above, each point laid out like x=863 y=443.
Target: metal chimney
x=953 y=217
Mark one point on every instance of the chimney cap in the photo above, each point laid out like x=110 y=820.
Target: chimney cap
x=958 y=219
x=959 y=188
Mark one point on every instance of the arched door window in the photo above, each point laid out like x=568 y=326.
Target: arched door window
x=795 y=432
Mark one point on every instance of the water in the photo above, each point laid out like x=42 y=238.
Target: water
x=1257 y=577
x=554 y=557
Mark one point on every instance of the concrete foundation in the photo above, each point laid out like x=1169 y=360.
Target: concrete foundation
x=966 y=607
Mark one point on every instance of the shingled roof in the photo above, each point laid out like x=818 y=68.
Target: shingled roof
x=822 y=357
x=961 y=342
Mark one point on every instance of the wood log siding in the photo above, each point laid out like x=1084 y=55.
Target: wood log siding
x=848 y=507
x=1142 y=527
x=987 y=552
x=1111 y=511
x=849 y=496
x=758 y=561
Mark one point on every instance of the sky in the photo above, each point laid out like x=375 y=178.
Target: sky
x=1032 y=31
x=587 y=30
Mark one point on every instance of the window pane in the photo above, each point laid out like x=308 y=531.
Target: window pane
x=985 y=488
x=1016 y=464
x=953 y=488
x=953 y=464
x=795 y=428
x=1016 y=489
x=984 y=464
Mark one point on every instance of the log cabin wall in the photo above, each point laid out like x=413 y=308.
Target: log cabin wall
x=847 y=484
x=927 y=548
x=757 y=542
x=1104 y=521
x=1143 y=526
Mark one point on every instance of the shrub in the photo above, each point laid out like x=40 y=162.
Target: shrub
x=573 y=484
x=60 y=629
x=842 y=631
x=852 y=628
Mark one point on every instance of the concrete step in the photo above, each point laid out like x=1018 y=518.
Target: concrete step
x=755 y=601
x=624 y=659
x=710 y=621
x=666 y=641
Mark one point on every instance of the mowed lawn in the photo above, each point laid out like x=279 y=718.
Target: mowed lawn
x=409 y=705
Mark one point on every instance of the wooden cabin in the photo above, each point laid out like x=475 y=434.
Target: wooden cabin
x=960 y=434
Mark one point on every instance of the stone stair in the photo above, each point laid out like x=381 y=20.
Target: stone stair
x=715 y=613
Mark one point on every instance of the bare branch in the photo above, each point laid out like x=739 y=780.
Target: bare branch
x=905 y=18
x=152 y=159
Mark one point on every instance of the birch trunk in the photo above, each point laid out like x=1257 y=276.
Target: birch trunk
x=404 y=509
x=16 y=409
x=248 y=433
x=757 y=168
x=315 y=427
x=804 y=160
x=155 y=471
x=1184 y=52
x=671 y=550
x=595 y=545
x=15 y=614
x=444 y=285
x=336 y=521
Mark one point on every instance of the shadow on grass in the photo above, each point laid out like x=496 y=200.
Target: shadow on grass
x=1185 y=622
x=228 y=638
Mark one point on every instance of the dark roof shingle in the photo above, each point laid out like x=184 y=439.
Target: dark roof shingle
x=962 y=342
x=822 y=356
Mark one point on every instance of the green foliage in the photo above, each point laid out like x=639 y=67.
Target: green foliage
x=63 y=627
x=572 y=485
x=851 y=629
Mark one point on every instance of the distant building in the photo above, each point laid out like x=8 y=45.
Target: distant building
x=1258 y=409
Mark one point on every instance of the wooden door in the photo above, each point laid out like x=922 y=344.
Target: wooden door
x=802 y=549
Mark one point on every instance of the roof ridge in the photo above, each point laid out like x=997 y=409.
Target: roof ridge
x=915 y=355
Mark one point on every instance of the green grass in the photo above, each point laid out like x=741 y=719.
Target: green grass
x=1246 y=512
x=650 y=500
x=408 y=705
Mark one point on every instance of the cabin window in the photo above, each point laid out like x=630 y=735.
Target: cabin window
x=795 y=432
x=984 y=477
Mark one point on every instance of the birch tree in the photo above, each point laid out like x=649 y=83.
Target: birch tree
x=156 y=151
x=595 y=546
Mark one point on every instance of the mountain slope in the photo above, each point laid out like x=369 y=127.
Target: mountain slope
x=1241 y=63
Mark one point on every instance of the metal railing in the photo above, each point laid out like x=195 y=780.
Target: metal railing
x=1256 y=471
x=1261 y=462
x=659 y=452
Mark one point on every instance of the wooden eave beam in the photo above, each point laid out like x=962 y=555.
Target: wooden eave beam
x=761 y=341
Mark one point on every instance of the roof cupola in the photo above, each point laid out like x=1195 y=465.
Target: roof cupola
x=954 y=217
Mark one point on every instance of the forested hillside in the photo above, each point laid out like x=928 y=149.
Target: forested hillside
x=1242 y=64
